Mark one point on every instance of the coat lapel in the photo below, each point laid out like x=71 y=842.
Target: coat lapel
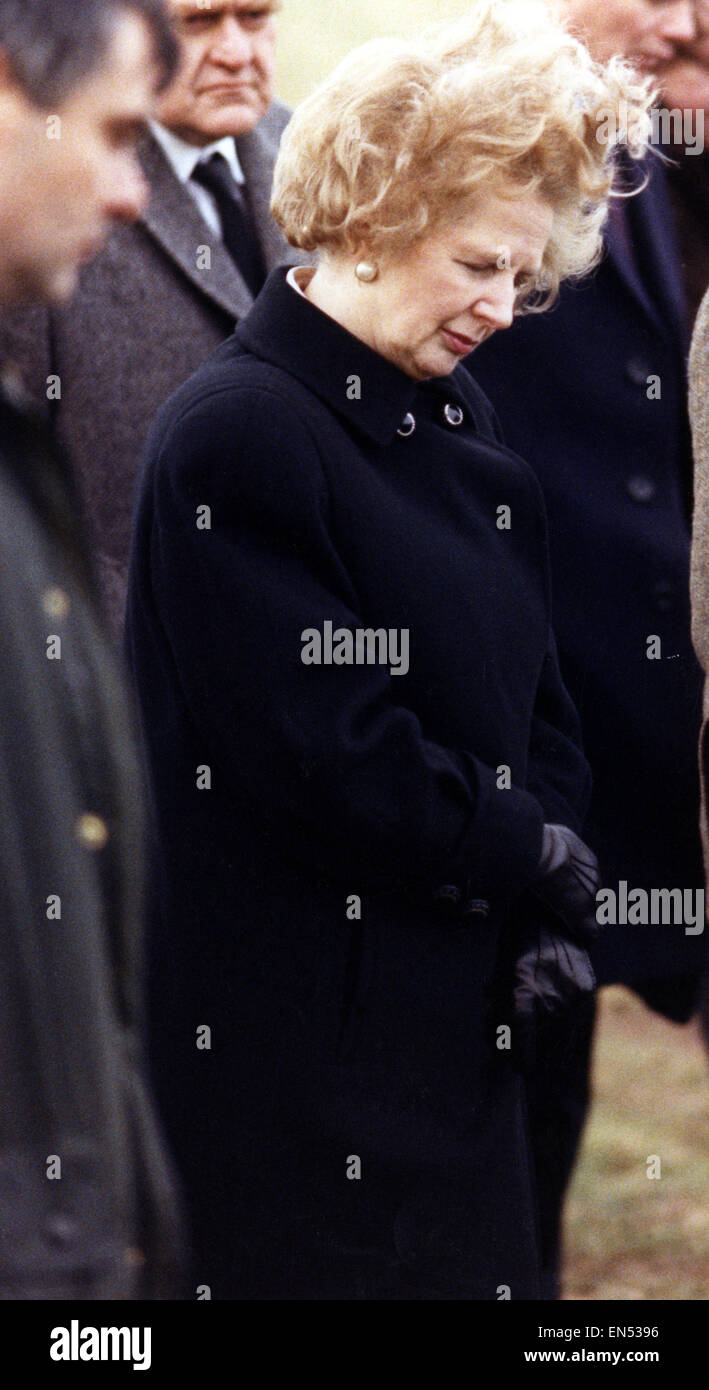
x=659 y=250
x=653 y=276
x=173 y=220
x=257 y=156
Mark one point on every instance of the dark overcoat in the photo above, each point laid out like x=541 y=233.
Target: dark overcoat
x=353 y=1131
x=87 y=1203
x=594 y=395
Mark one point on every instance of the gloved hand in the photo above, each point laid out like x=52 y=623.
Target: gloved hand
x=568 y=880
x=551 y=978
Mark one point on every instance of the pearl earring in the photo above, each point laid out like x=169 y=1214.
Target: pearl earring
x=366 y=271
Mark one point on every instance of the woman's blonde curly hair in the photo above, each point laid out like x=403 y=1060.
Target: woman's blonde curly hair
x=406 y=135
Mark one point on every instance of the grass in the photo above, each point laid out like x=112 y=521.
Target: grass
x=629 y=1236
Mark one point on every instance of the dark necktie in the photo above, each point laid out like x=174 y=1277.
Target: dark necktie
x=238 y=231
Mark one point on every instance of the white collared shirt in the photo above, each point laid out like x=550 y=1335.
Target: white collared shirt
x=184 y=158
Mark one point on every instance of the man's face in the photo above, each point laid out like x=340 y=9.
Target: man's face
x=648 y=33
x=685 y=83
x=66 y=176
x=227 y=71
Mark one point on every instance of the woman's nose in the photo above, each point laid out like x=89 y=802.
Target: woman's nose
x=497 y=303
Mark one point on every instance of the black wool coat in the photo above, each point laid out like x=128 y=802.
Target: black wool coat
x=348 y=1128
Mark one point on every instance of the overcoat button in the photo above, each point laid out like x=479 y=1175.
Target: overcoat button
x=55 y=603
x=640 y=488
x=60 y=1230
x=92 y=831
x=453 y=415
x=665 y=597
x=447 y=896
x=637 y=370
x=407 y=426
x=13 y=385
x=477 y=907
x=133 y=1257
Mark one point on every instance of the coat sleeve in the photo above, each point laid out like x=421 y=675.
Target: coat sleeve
x=328 y=753
x=559 y=775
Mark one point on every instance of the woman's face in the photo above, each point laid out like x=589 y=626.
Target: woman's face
x=433 y=304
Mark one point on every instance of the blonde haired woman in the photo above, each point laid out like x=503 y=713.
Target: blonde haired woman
x=379 y=897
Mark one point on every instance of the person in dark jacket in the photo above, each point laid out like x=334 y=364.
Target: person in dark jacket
x=594 y=395
x=87 y=1198
x=371 y=892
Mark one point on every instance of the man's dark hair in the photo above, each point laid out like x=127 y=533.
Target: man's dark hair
x=52 y=45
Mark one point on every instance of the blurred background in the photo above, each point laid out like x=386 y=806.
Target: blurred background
x=308 y=52
x=628 y=1236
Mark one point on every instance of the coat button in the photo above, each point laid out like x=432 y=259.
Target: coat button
x=447 y=896
x=13 y=386
x=407 y=426
x=55 y=603
x=638 y=370
x=92 y=831
x=453 y=415
x=60 y=1230
x=640 y=488
x=477 y=907
x=664 y=597
x=133 y=1257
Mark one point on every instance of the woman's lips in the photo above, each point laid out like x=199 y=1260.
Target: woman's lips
x=458 y=343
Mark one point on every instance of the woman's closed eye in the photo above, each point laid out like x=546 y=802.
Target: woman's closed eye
x=523 y=281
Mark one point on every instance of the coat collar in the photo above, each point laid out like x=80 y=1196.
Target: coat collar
x=185 y=157
x=289 y=331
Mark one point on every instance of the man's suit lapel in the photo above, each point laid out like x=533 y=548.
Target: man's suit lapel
x=257 y=156
x=173 y=219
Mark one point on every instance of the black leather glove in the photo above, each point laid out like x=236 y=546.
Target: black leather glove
x=568 y=880
x=551 y=978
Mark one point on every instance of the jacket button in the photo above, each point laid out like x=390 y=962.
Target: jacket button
x=453 y=415
x=447 y=896
x=13 y=386
x=407 y=426
x=133 y=1257
x=476 y=907
x=664 y=597
x=55 y=603
x=92 y=831
x=638 y=370
x=60 y=1230
x=640 y=488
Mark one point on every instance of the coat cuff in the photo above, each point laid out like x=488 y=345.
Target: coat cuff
x=505 y=840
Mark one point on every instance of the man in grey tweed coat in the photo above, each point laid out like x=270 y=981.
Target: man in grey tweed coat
x=165 y=291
